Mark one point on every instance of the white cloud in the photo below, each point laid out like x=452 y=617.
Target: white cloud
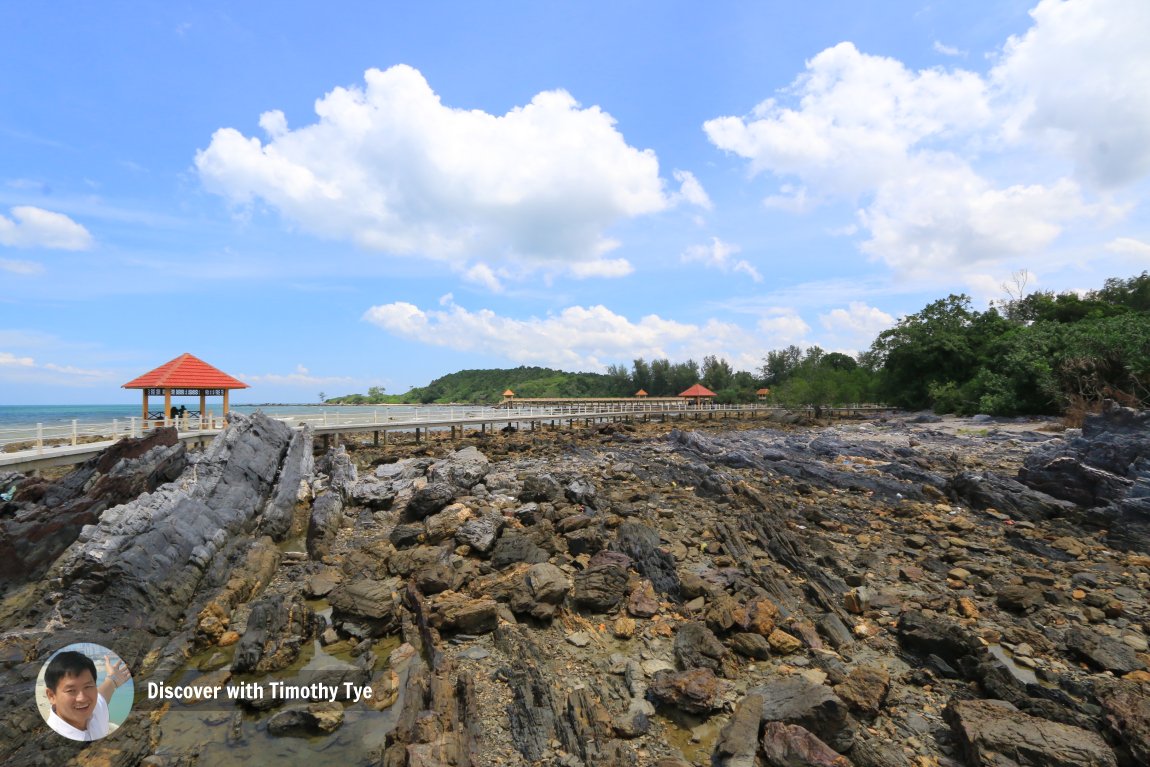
x=783 y=327
x=718 y=255
x=606 y=267
x=32 y=227
x=948 y=50
x=27 y=370
x=856 y=326
x=1078 y=77
x=300 y=377
x=390 y=167
x=792 y=200
x=942 y=217
x=907 y=148
x=859 y=117
x=20 y=267
x=577 y=338
x=1130 y=246
x=691 y=191
x=9 y=359
x=481 y=274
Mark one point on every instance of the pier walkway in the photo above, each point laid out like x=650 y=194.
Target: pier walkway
x=75 y=443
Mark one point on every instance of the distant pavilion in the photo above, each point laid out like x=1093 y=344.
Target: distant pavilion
x=641 y=393
x=698 y=393
x=185 y=376
x=762 y=394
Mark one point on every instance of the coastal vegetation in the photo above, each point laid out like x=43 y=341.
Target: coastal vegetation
x=1036 y=353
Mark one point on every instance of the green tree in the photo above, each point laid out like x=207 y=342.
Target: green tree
x=640 y=376
x=660 y=378
x=780 y=364
x=717 y=373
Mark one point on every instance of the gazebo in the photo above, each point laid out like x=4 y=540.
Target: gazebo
x=185 y=376
x=641 y=393
x=698 y=392
x=762 y=393
x=508 y=395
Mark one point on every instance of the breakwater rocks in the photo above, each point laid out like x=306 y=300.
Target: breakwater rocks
x=897 y=592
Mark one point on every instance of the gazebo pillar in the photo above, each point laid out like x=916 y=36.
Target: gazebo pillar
x=203 y=404
x=225 y=403
x=167 y=404
x=144 y=419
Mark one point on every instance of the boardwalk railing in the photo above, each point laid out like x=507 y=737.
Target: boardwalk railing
x=47 y=436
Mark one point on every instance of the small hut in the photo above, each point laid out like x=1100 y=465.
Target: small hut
x=508 y=395
x=762 y=394
x=641 y=393
x=185 y=376
x=698 y=393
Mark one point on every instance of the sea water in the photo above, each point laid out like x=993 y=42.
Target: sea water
x=19 y=421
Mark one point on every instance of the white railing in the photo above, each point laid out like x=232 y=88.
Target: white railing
x=45 y=436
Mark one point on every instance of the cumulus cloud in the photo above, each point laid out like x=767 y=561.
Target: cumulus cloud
x=31 y=227
x=1129 y=246
x=907 y=147
x=8 y=359
x=301 y=376
x=718 y=255
x=1078 y=78
x=691 y=191
x=482 y=274
x=576 y=338
x=856 y=326
x=391 y=168
x=14 y=266
x=947 y=50
x=25 y=369
x=783 y=327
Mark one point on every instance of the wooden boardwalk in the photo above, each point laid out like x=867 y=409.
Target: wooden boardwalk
x=453 y=424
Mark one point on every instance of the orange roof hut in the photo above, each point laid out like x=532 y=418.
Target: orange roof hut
x=185 y=376
x=641 y=393
x=698 y=392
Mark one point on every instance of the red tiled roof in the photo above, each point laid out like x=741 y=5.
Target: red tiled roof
x=698 y=390
x=641 y=393
x=185 y=372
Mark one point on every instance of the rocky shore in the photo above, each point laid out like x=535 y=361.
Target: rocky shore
x=903 y=592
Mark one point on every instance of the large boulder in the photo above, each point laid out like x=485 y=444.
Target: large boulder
x=324 y=523
x=464 y=468
x=373 y=606
x=1103 y=652
x=696 y=647
x=429 y=499
x=796 y=700
x=540 y=488
x=1099 y=467
x=143 y=562
x=298 y=468
x=480 y=534
x=276 y=630
x=995 y=734
x=44 y=518
x=695 y=691
x=1126 y=706
x=600 y=588
x=641 y=544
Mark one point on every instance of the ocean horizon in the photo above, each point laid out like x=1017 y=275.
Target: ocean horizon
x=27 y=416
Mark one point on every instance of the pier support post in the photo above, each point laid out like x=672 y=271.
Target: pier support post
x=375 y=438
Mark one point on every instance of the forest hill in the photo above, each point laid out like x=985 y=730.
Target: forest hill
x=1040 y=353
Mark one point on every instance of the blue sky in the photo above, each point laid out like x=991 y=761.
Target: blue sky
x=327 y=198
